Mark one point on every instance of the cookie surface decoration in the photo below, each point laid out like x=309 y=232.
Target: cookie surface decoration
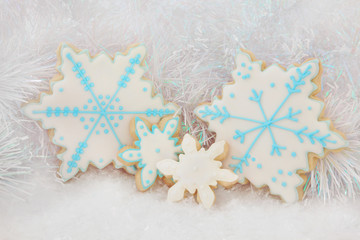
x=271 y=122
x=196 y=171
x=151 y=147
x=92 y=103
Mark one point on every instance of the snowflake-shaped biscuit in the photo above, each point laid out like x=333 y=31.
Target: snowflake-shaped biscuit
x=153 y=143
x=91 y=104
x=273 y=124
x=197 y=171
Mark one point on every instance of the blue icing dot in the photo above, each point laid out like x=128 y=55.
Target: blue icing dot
x=85 y=106
x=121 y=108
x=232 y=95
x=106 y=131
x=145 y=134
x=273 y=179
x=117 y=100
x=92 y=119
x=116 y=125
x=121 y=117
x=150 y=171
x=107 y=96
x=130 y=155
x=144 y=89
x=61 y=138
x=103 y=103
x=259 y=166
x=97 y=132
x=283 y=184
x=102 y=125
x=111 y=117
x=238 y=73
x=89 y=101
x=112 y=107
x=94 y=108
x=157 y=150
x=253 y=159
x=168 y=132
x=309 y=108
x=61 y=89
x=86 y=127
x=293 y=154
x=246 y=76
x=290 y=173
x=147 y=181
x=243 y=64
x=172 y=125
x=100 y=96
x=101 y=160
x=250 y=68
x=139 y=154
x=82 y=119
x=272 y=84
x=141 y=126
x=280 y=171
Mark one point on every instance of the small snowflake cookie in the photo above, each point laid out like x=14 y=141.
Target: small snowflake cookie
x=273 y=123
x=153 y=143
x=90 y=105
x=197 y=171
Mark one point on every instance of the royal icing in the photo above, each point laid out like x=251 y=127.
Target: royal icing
x=271 y=124
x=196 y=171
x=91 y=106
x=151 y=147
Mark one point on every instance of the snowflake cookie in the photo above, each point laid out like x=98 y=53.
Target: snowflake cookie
x=273 y=123
x=153 y=143
x=91 y=103
x=197 y=171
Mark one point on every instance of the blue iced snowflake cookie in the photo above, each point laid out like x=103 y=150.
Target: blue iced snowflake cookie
x=91 y=103
x=272 y=122
x=153 y=144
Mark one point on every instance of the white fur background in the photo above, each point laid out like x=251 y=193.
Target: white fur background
x=191 y=48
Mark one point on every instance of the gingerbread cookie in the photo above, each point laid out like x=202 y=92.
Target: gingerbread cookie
x=273 y=123
x=90 y=105
x=198 y=171
x=153 y=143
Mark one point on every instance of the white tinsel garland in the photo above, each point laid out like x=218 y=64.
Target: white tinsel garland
x=191 y=47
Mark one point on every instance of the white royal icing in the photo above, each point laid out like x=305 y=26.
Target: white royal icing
x=271 y=124
x=153 y=145
x=91 y=107
x=196 y=171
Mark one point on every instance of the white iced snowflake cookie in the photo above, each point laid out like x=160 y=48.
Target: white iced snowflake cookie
x=273 y=124
x=197 y=171
x=91 y=103
x=153 y=144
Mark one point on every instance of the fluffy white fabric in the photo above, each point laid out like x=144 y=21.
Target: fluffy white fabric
x=191 y=48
